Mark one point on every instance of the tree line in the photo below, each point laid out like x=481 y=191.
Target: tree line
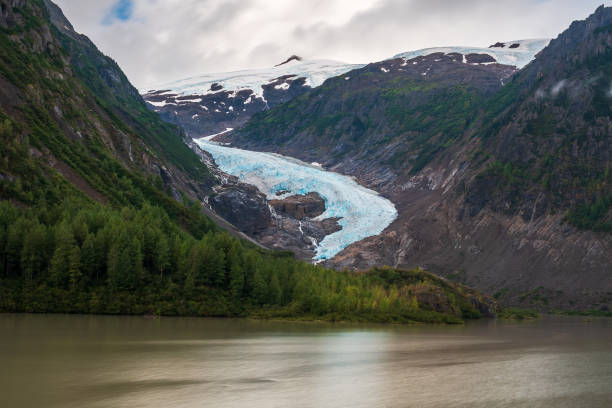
x=98 y=259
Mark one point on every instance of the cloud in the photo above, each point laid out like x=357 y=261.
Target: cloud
x=558 y=87
x=156 y=41
x=121 y=10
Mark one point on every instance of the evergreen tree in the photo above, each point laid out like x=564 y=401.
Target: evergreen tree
x=33 y=254
x=14 y=246
x=274 y=290
x=260 y=287
x=60 y=262
x=161 y=255
x=112 y=267
x=237 y=281
x=74 y=266
x=90 y=259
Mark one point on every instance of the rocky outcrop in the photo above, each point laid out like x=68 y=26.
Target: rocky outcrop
x=288 y=60
x=242 y=205
x=299 y=207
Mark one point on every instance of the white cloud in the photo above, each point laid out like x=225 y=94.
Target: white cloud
x=171 y=39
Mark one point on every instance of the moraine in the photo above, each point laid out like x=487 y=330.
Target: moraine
x=363 y=212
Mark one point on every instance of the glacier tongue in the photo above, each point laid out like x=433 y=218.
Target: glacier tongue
x=362 y=211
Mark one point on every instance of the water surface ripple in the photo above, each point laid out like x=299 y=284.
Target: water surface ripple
x=111 y=361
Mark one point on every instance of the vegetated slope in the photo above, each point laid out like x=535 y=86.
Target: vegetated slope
x=552 y=143
x=505 y=187
x=89 y=217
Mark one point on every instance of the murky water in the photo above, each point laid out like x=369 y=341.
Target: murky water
x=106 y=361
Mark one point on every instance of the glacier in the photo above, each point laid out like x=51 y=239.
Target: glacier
x=315 y=73
x=362 y=212
x=519 y=57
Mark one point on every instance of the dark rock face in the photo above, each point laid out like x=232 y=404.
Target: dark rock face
x=479 y=58
x=299 y=207
x=244 y=206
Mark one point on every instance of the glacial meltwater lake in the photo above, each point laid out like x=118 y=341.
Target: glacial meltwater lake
x=113 y=361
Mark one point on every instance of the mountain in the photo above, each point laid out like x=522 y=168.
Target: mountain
x=211 y=103
x=100 y=206
x=500 y=176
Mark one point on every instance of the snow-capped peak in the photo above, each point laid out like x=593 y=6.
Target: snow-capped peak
x=518 y=53
x=315 y=73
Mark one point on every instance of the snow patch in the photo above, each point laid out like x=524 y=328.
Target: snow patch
x=558 y=87
x=161 y=103
x=210 y=137
x=198 y=100
x=283 y=86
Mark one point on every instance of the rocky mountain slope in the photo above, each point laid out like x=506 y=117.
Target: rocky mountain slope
x=501 y=176
x=79 y=116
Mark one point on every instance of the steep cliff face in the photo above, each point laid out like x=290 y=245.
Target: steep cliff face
x=553 y=141
x=501 y=178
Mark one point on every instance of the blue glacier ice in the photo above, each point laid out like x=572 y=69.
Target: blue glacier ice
x=362 y=211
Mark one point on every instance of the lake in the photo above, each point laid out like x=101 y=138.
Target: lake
x=115 y=361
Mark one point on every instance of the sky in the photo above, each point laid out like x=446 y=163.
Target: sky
x=157 y=41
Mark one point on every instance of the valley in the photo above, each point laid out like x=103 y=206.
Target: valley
x=487 y=166
x=424 y=227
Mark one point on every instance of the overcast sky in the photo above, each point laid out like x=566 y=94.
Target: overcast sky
x=157 y=41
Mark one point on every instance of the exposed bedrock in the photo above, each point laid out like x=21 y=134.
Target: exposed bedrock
x=300 y=206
